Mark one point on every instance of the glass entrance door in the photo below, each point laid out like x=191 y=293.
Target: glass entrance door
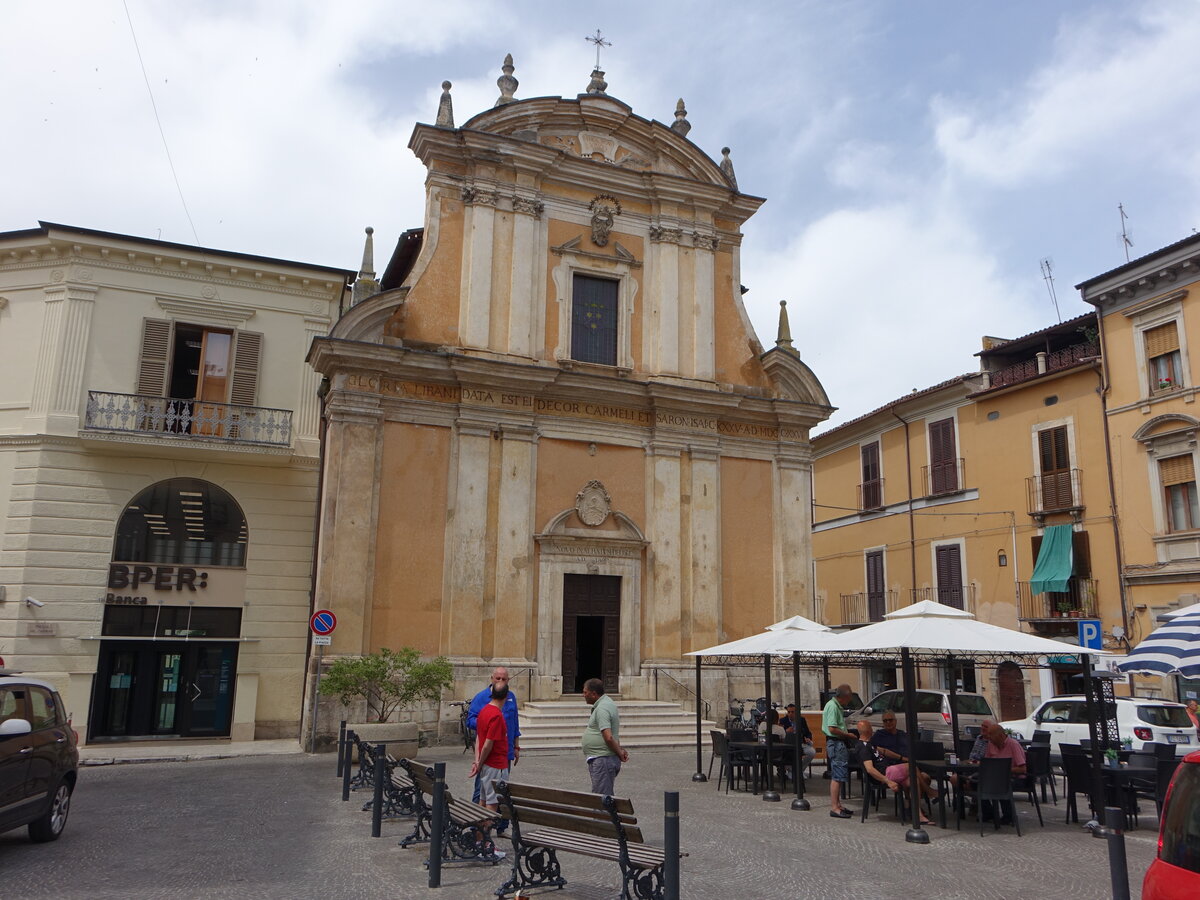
x=159 y=689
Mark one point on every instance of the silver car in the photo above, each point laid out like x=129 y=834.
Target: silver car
x=933 y=713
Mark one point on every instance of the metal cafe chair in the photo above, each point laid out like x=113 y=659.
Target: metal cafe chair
x=995 y=784
x=1041 y=737
x=1037 y=766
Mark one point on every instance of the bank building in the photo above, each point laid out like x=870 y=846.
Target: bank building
x=552 y=439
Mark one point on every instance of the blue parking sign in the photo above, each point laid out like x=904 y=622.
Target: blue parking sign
x=1090 y=635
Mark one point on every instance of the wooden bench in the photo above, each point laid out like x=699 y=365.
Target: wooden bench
x=466 y=826
x=546 y=821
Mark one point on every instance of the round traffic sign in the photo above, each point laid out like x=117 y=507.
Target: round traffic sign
x=322 y=622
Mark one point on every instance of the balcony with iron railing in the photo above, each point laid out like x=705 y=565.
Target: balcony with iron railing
x=946 y=477
x=199 y=420
x=1078 y=601
x=1054 y=492
x=960 y=596
x=870 y=495
x=868 y=606
x=1042 y=364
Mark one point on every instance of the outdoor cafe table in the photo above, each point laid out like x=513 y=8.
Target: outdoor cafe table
x=941 y=771
x=780 y=753
x=1117 y=781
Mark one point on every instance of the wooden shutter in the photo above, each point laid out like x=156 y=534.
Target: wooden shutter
x=1161 y=339
x=155 y=357
x=876 y=599
x=247 y=355
x=872 y=486
x=1176 y=470
x=943 y=459
x=949 y=575
x=1055 y=453
x=1081 y=554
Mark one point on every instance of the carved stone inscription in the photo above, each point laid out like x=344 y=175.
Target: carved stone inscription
x=576 y=409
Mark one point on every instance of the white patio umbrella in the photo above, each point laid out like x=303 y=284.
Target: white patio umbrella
x=1171 y=649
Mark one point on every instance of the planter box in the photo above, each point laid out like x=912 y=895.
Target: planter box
x=401 y=737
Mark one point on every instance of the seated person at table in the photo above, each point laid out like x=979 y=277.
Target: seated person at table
x=891 y=744
x=794 y=724
x=772 y=720
x=873 y=764
x=977 y=752
x=1001 y=746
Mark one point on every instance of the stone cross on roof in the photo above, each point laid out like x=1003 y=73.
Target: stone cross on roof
x=597 y=85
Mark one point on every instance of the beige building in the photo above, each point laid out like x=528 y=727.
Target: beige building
x=554 y=440
x=159 y=441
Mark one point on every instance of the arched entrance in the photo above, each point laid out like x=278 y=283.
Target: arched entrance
x=172 y=615
x=1011 y=684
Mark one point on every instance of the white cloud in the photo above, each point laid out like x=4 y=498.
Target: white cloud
x=1110 y=88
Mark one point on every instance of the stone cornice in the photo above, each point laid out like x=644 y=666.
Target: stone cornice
x=234 y=315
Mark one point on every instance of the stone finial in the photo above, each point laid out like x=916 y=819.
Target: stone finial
x=597 y=85
x=784 y=337
x=366 y=285
x=727 y=167
x=368 y=260
x=681 y=126
x=445 y=115
x=506 y=82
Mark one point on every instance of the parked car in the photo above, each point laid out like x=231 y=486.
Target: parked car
x=1175 y=872
x=39 y=757
x=933 y=712
x=814 y=718
x=1140 y=720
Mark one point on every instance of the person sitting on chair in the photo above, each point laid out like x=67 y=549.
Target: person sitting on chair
x=797 y=725
x=772 y=720
x=874 y=767
x=891 y=744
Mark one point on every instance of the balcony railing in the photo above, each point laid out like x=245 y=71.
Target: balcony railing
x=1066 y=358
x=1054 y=492
x=1077 y=602
x=198 y=419
x=868 y=606
x=946 y=477
x=870 y=495
x=960 y=596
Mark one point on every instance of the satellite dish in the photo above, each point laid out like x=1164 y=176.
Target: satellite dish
x=1118 y=631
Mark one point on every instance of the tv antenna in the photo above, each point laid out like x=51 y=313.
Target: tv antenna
x=1047 y=265
x=1126 y=238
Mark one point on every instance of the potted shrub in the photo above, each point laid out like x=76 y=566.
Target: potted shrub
x=389 y=681
x=1064 y=608
x=1111 y=757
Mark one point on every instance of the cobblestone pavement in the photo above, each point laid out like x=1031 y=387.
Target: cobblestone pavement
x=275 y=827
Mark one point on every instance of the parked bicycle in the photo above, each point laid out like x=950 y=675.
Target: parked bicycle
x=746 y=713
x=466 y=733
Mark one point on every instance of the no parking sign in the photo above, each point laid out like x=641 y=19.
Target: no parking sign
x=322 y=622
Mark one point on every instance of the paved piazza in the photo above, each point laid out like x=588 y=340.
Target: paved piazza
x=275 y=827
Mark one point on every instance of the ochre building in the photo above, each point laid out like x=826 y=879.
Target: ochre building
x=553 y=440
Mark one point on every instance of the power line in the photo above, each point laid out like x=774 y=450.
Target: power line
x=158 y=121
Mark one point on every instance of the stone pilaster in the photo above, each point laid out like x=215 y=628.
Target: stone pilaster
x=662 y=339
x=662 y=614
x=523 y=294
x=474 y=322
x=306 y=424
x=792 y=476
x=466 y=543
x=704 y=306
x=514 y=544
x=58 y=388
x=704 y=627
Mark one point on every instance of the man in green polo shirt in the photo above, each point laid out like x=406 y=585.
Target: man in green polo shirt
x=837 y=755
x=601 y=746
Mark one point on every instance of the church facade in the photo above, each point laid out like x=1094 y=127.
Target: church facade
x=552 y=438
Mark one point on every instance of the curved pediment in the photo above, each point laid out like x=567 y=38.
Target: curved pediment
x=1166 y=424
x=792 y=379
x=373 y=319
x=601 y=128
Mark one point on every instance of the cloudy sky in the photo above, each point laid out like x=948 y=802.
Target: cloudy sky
x=919 y=158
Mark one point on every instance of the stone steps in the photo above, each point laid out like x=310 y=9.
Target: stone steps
x=645 y=725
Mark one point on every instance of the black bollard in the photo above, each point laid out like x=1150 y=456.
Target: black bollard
x=378 y=758
x=1118 y=866
x=351 y=737
x=341 y=747
x=671 y=845
x=436 y=824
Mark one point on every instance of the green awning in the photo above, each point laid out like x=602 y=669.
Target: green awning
x=1052 y=572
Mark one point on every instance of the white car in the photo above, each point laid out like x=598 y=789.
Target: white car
x=1140 y=720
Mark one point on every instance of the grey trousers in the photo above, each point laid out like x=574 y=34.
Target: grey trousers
x=604 y=771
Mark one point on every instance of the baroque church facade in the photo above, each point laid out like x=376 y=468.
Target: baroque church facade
x=552 y=438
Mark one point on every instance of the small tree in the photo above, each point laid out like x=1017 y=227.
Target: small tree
x=388 y=680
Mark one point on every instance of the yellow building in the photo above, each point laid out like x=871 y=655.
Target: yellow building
x=1148 y=321
x=553 y=440
x=946 y=494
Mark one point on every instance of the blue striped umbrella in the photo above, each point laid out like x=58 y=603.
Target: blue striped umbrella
x=1172 y=649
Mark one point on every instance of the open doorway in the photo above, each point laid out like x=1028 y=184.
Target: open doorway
x=591 y=631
